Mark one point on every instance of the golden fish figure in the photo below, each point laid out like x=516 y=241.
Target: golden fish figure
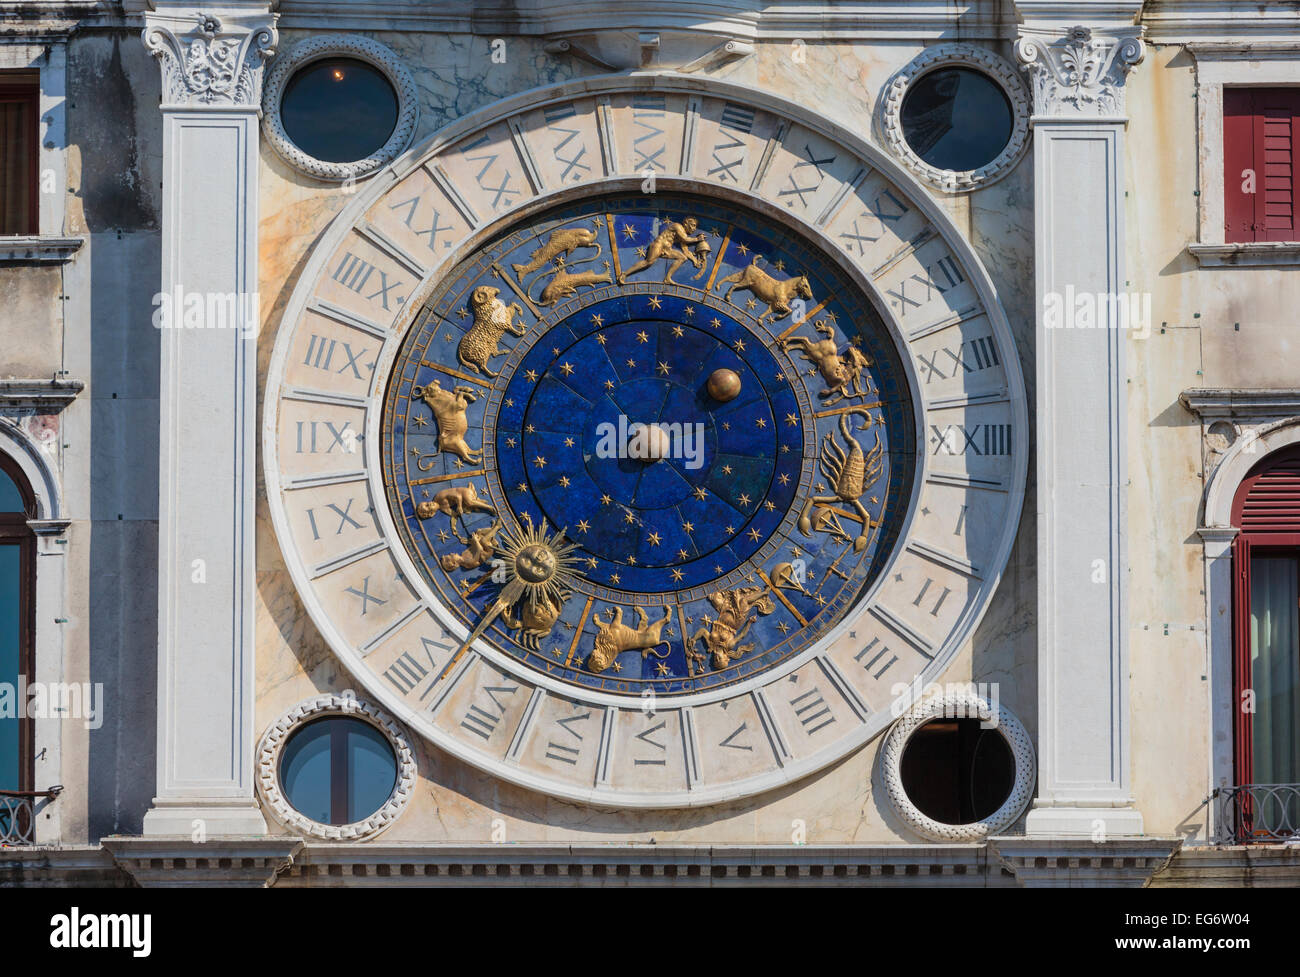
x=850 y=471
x=562 y=243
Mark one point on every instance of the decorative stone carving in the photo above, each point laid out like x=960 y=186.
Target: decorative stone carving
x=340 y=45
x=213 y=65
x=344 y=704
x=946 y=56
x=1077 y=73
x=958 y=703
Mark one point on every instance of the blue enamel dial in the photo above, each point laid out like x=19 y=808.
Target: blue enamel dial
x=703 y=403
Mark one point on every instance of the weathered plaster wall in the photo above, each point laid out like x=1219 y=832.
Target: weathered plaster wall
x=456 y=801
x=111 y=430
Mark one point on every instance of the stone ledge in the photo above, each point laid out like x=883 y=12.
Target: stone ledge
x=238 y=863
x=36 y=392
x=1061 y=863
x=1235 y=866
x=71 y=867
x=1249 y=254
x=38 y=249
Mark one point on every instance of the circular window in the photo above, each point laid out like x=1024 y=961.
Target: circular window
x=957 y=771
x=956 y=119
x=336 y=768
x=337 y=771
x=958 y=115
x=339 y=109
x=339 y=106
x=958 y=767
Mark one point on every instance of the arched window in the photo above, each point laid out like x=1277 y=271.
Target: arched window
x=1266 y=623
x=17 y=626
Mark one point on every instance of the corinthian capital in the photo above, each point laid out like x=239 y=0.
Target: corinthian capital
x=211 y=63
x=1077 y=73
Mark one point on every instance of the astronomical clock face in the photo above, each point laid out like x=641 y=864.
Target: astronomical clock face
x=644 y=493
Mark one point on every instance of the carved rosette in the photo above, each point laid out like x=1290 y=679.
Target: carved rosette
x=1079 y=73
x=212 y=65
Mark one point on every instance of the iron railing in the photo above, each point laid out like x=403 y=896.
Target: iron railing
x=1258 y=814
x=18 y=814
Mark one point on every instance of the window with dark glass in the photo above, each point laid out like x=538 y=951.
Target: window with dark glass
x=19 y=159
x=17 y=554
x=339 y=110
x=956 y=771
x=957 y=119
x=338 y=770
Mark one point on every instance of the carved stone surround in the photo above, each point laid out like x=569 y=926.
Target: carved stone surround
x=957 y=55
x=958 y=704
x=344 y=705
x=348 y=46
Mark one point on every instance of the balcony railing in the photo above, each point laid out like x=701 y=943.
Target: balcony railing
x=18 y=814
x=1258 y=814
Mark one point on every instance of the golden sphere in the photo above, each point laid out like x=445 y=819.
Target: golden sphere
x=724 y=385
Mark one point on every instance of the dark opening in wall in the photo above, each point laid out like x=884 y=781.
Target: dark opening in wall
x=956 y=772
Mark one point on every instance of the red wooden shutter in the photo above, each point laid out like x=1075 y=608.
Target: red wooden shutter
x=1266 y=508
x=1238 y=158
x=1261 y=130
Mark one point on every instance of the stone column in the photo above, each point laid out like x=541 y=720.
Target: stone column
x=1083 y=706
x=211 y=62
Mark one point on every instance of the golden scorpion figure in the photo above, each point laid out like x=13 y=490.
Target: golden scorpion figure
x=850 y=472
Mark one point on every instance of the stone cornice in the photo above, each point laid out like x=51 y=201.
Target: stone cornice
x=209 y=59
x=39 y=249
x=1226 y=402
x=48 y=395
x=1078 y=73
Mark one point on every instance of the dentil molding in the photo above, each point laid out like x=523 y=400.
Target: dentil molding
x=212 y=64
x=1079 y=73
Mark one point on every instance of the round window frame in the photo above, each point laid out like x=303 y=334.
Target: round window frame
x=950 y=704
x=344 y=705
x=357 y=47
x=1001 y=72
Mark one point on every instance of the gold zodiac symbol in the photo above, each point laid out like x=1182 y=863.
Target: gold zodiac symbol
x=849 y=472
x=614 y=637
x=843 y=379
x=722 y=637
x=449 y=408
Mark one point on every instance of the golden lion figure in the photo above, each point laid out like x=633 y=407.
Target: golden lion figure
x=776 y=295
x=492 y=319
x=614 y=637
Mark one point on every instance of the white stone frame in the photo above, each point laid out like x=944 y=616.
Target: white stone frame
x=345 y=704
x=40 y=467
x=979 y=59
x=958 y=703
x=1263 y=422
x=339 y=45
x=1235 y=65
